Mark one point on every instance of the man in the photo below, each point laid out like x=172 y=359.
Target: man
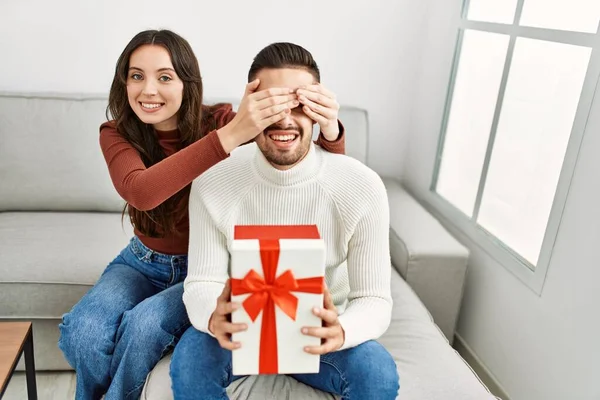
x=285 y=179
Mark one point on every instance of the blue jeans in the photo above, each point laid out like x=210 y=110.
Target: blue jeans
x=126 y=323
x=365 y=372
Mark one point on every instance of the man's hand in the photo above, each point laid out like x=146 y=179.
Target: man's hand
x=219 y=324
x=321 y=106
x=331 y=333
x=257 y=111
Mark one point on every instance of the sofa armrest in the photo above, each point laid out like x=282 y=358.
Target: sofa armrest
x=429 y=258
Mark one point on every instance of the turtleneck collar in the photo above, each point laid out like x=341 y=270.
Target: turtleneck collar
x=167 y=135
x=304 y=171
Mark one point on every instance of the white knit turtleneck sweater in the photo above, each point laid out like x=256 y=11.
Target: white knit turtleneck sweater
x=344 y=198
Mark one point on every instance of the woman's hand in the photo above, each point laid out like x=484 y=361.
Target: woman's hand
x=257 y=111
x=321 y=106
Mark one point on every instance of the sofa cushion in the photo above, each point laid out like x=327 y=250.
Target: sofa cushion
x=428 y=367
x=52 y=259
x=429 y=258
x=50 y=158
x=356 y=123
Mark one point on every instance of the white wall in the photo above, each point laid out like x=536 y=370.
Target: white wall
x=538 y=347
x=366 y=49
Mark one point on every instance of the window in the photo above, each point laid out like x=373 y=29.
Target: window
x=523 y=80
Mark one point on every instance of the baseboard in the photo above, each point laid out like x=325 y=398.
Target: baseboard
x=481 y=370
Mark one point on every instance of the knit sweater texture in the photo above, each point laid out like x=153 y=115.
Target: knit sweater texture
x=344 y=198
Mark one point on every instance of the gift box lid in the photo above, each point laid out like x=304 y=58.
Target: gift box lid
x=273 y=232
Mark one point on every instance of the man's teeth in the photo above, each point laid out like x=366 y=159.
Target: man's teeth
x=146 y=105
x=283 y=138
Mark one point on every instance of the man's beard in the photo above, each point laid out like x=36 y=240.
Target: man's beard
x=281 y=157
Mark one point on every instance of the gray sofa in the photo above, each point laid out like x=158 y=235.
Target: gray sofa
x=60 y=224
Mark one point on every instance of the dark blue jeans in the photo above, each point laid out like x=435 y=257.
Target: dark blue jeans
x=365 y=372
x=126 y=323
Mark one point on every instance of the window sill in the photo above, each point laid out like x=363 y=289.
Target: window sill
x=465 y=229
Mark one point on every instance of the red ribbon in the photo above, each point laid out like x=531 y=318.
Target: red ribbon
x=269 y=291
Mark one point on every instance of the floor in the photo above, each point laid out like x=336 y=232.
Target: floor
x=50 y=386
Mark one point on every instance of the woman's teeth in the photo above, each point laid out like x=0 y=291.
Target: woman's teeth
x=151 y=106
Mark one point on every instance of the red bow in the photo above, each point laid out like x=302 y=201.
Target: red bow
x=270 y=291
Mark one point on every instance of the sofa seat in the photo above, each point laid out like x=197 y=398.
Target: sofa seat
x=428 y=367
x=52 y=259
x=48 y=261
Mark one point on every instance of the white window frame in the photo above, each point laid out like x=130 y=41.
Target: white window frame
x=533 y=277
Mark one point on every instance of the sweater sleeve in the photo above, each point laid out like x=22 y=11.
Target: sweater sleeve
x=146 y=188
x=337 y=146
x=369 y=309
x=208 y=260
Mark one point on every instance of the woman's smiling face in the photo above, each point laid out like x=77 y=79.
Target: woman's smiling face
x=154 y=90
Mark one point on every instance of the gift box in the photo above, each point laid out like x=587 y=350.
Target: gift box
x=277 y=274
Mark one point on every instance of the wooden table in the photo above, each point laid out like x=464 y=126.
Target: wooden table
x=16 y=338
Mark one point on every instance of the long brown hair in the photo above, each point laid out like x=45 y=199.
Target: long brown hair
x=192 y=120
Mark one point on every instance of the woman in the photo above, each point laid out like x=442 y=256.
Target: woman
x=160 y=139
